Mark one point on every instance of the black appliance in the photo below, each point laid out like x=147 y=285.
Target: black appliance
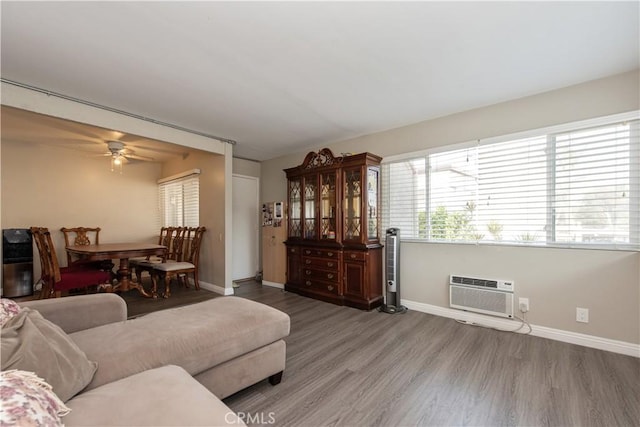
x=17 y=262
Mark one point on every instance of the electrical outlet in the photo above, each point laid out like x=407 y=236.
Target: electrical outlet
x=523 y=304
x=582 y=315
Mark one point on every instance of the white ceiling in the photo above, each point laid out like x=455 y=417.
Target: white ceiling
x=279 y=77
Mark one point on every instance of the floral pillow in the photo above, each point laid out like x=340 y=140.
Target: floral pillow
x=27 y=400
x=8 y=309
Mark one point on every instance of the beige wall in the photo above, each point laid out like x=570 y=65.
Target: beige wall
x=54 y=188
x=212 y=214
x=555 y=280
x=66 y=109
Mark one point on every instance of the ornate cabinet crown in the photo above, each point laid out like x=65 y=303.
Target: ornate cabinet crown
x=333 y=243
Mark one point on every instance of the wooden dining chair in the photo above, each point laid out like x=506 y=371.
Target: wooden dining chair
x=57 y=280
x=38 y=237
x=81 y=236
x=172 y=238
x=188 y=264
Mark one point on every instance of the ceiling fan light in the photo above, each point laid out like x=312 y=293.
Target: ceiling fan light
x=116 y=163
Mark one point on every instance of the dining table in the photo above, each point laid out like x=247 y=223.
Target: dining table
x=123 y=252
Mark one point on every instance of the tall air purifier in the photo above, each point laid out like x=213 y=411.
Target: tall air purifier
x=392 y=273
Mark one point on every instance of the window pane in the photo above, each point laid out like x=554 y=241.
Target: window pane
x=577 y=187
x=179 y=203
x=191 y=203
x=172 y=208
x=404 y=190
x=512 y=193
x=593 y=185
x=453 y=184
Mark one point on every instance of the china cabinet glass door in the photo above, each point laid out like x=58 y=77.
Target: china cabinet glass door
x=295 y=208
x=328 y=205
x=310 y=193
x=352 y=204
x=373 y=174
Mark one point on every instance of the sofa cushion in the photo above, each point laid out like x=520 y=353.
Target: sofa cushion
x=27 y=400
x=196 y=337
x=166 y=396
x=32 y=343
x=81 y=312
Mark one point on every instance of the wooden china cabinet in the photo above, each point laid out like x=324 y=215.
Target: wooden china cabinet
x=333 y=244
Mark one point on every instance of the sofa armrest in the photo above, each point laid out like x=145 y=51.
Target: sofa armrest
x=81 y=312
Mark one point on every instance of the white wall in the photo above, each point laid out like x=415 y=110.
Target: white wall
x=555 y=280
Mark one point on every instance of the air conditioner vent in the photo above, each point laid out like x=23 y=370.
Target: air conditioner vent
x=460 y=280
x=487 y=296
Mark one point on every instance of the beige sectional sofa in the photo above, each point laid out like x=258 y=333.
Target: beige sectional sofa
x=170 y=367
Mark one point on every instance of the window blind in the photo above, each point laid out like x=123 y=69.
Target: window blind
x=596 y=185
x=575 y=186
x=512 y=191
x=404 y=189
x=179 y=202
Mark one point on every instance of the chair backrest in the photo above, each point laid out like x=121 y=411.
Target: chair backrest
x=80 y=237
x=193 y=242
x=177 y=244
x=172 y=238
x=52 y=258
x=166 y=233
x=39 y=239
x=48 y=259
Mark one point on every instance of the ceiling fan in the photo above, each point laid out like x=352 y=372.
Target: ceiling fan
x=120 y=154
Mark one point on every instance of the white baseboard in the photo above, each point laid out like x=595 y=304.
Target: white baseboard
x=273 y=284
x=606 y=344
x=215 y=288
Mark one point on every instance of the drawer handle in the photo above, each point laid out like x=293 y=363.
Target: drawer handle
x=329 y=276
x=307 y=261
x=292 y=250
x=329 y=253
x=329 y=264
x=308 y=283
x=353 y=256
x=330 y=287
x=308 y=272
x=307 y=252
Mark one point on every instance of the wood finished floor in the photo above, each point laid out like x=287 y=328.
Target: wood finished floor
x=137 y=305
x=347 y=367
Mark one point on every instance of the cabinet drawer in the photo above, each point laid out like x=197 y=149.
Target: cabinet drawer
x=310 y=273
x=327 y=264
x=355 y=256
x=323 y=253
x=321 y=286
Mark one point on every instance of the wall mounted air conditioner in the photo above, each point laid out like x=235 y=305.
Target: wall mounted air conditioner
x=487 y=296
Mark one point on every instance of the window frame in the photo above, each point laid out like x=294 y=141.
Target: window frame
x=550 y=233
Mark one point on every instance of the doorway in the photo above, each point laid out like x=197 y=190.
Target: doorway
x=246 y=215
